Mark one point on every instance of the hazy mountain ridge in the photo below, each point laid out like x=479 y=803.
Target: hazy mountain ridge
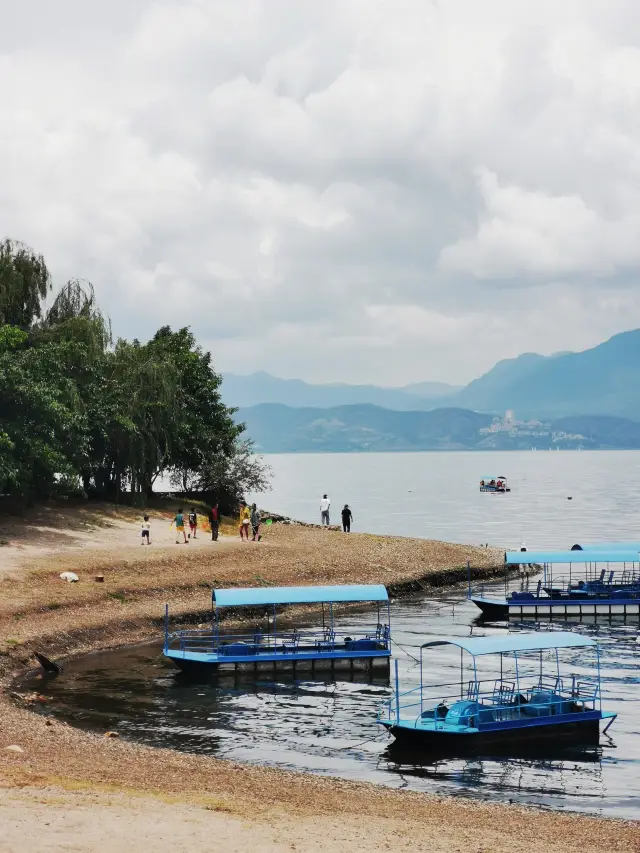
x=598 y=381
x=365 y=428
x=261 y=387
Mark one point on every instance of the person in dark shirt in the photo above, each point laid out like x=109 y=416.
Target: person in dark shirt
x=193 y=523
x=214 y=516
x=347 y=518
x=256 y=518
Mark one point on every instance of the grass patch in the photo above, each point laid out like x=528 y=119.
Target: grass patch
x=53 y=605
x=117 y=596
x=4 y=543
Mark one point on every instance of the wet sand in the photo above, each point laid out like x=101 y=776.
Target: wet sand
x=68 y=789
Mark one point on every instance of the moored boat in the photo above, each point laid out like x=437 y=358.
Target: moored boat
x=270 y=646
x=574 y=584
x=530 y=695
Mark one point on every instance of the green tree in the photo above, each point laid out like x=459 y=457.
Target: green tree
x=24 y=284
x=42 y=428
x=203 y=428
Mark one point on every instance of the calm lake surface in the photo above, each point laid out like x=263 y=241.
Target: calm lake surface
x=436 y=495
x=329 y=726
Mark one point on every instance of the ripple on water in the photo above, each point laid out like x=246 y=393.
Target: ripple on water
x=330 y=728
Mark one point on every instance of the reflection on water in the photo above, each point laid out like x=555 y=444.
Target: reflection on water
x=329 y=727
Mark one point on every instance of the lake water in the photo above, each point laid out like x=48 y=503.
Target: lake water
x=436 y=495
x=329 y=726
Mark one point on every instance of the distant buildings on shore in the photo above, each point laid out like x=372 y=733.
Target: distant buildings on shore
x=507 y=431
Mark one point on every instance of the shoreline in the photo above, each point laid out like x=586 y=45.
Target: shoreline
x=68 y=619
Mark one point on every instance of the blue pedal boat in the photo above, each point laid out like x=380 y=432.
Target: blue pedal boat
x=575 y=584
x=530 y=695
x=268 y=646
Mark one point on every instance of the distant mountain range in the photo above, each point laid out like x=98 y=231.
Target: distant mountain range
x=282 y=429
x=599 y=381
x=261 y=387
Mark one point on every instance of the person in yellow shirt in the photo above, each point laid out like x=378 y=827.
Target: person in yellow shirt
x=245 y=518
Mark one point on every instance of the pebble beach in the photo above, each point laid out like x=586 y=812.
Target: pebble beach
x=83 y=791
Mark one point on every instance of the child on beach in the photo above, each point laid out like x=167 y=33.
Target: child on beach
x=193 y=523
x=179 y=523
x=244 y=521
x=146 y=531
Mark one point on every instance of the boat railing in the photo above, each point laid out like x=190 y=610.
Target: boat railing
x=495 y=700
x=285 y=642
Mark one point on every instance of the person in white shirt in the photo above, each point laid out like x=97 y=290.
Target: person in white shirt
x=146 y=531
x=325 y=503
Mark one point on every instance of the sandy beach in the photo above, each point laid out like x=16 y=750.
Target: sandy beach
x=63 y=789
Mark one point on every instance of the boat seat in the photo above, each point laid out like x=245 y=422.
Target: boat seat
x=237 y=649
x=362 y=645
x=486 y=715
x=523 y=596
x=462 y=713
x=544 y=703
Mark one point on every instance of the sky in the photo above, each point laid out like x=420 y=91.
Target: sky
x=381 y=191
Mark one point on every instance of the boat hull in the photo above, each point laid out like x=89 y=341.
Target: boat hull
x=492 y=608
x=561 y=609
x=556 y=735
x=203 y=667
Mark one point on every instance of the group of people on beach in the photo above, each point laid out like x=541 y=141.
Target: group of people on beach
x=249 y=519
x=325 y=514
x=178 y=521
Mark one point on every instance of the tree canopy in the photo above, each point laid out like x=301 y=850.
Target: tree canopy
x=102 y=417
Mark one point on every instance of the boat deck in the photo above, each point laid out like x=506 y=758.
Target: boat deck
x=321 y=649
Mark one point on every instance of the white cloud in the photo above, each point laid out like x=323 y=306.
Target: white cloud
x=528 y=234
x=379 y=191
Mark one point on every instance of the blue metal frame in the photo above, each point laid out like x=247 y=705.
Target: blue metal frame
x=525 y=703
x=217 y=648
x=600 y=585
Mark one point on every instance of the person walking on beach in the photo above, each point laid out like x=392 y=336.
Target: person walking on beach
x=245 y=518
x=193 y=523
x=325 y=504
x=146 y=531
x=255 y=522
x=347 y=518
x=214 y=515
x=179 y=523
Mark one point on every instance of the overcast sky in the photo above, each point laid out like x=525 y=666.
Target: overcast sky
x=368 y=190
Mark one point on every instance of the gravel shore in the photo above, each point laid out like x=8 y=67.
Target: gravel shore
x=89 y=792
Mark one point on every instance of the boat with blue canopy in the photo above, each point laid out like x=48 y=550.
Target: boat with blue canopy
x=496 y=485
x=515 y=690
x=574 y=584
x=268 y=644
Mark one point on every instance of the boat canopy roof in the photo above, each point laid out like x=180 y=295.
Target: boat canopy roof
x=528 y=557
x=244 y=597
x=609 y=546
x=477 y=646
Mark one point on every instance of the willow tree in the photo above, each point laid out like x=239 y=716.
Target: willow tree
x=24 y=284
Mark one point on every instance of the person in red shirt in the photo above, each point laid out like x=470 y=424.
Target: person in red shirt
x=215 y=522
